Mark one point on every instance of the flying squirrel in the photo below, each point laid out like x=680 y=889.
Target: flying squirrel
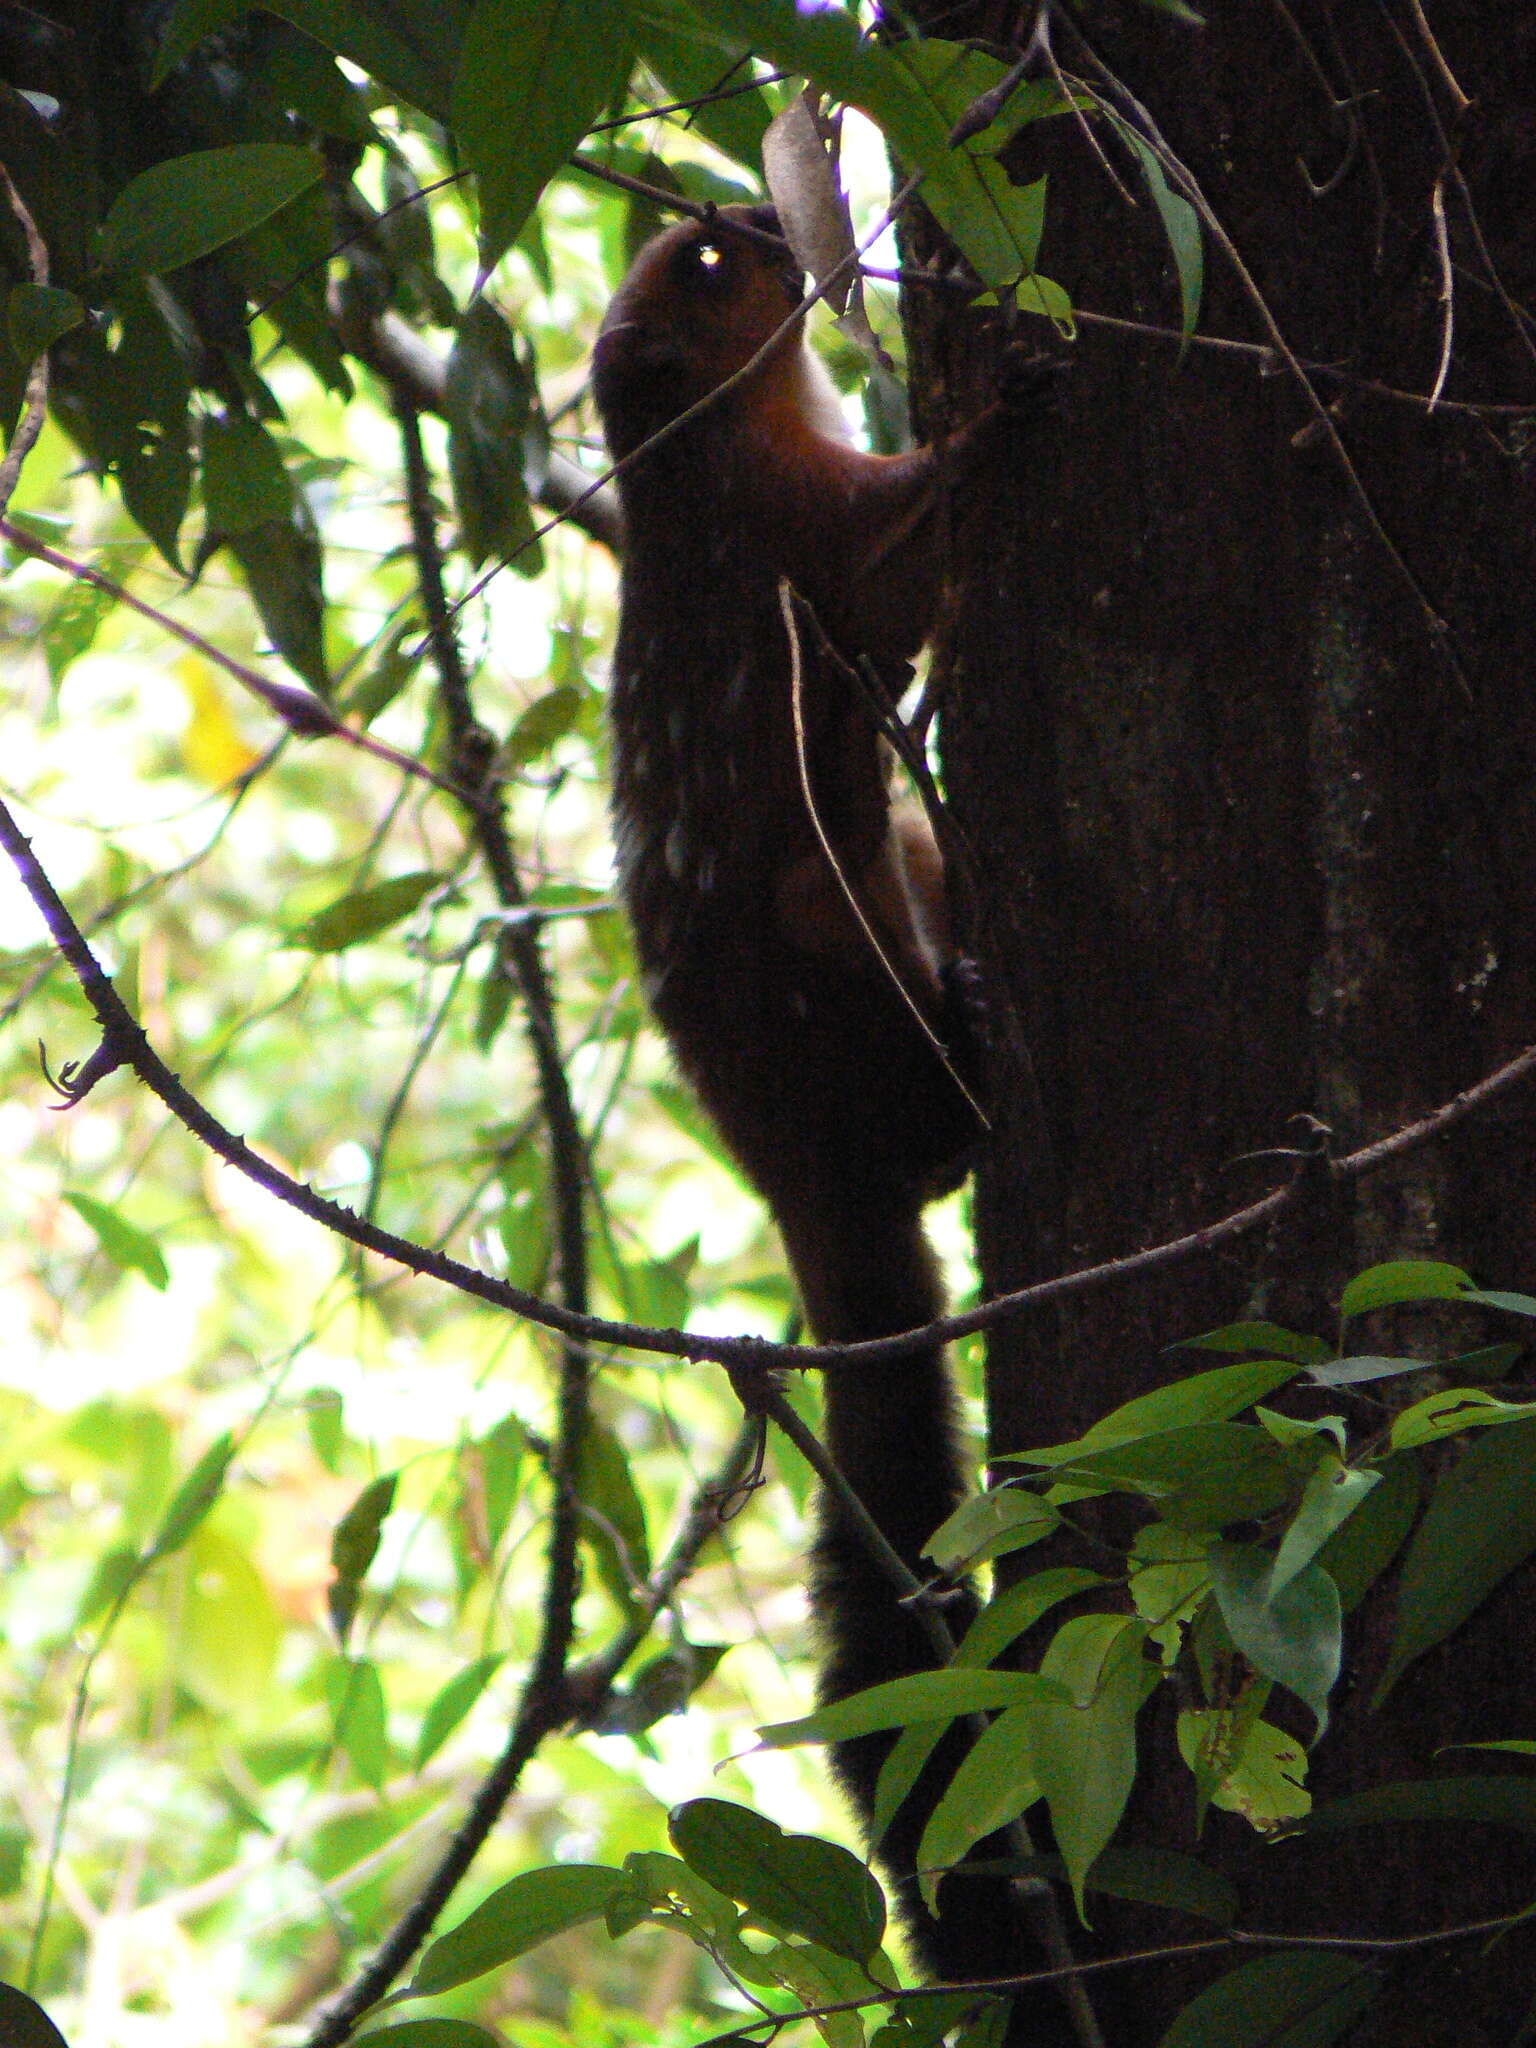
x=834 y=1047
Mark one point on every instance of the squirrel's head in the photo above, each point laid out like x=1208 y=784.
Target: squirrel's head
x=697 y=304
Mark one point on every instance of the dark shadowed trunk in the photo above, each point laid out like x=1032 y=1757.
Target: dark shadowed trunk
x=1258 y=838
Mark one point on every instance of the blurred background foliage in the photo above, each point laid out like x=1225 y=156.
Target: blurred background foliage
x=241 y=1795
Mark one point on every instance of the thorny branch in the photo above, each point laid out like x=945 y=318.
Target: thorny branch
x=130 y=1047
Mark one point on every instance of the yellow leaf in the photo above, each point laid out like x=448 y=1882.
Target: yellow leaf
x=211 y=746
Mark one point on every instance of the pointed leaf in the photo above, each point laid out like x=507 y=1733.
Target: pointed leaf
x=354 y=1545
x=130 y=1249
x=1497 y=1802
x=988 y=1525
x=187 y=206
x=451 y=1705
x=1403 y=1280
x=194 y=1497
x=515 y=1918
x=1084 y=1754
x=993 y=1785
x=926 y=1696
x=1331 y=1495
x=1479 y=1526
x=1450 y=1411
x=798 y=1882
x=364 y=913
x=1260 y=1336
x=532 y=76
x=1303 y=1999
x=1213 y=1396
x=1293 y=1635
x=356 y=1694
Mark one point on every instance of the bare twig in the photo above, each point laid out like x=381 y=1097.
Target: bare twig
x=35 y=410
x=130 y=1047
x=1447 y=290
x=300 y=710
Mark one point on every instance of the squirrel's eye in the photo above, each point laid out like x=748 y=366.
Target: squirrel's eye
x=710 y=257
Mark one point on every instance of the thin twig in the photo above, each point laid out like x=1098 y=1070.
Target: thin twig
x=124 y=1044
x=1447 y=290
x=541 y=1711
x=808 y=796
x=1185 y=181
x=36 y=407
x=300 y=710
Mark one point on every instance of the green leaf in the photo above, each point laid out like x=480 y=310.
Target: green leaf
x=364 y=913
x=193 y=1498
x=414 y=60
x=993 y=1785
x=1354 y=1372
x=187 y=206
x=1450 y=1411
x=1008 y=1614
x=245 y=480
x=1201 y=1477
x=797 y=1882
x=37 y=314
x=547 y=719
x=614 y=1531
x=691 y=68
x=281 y=562
x=501 y=1460
x=1303 y=1999
x=1293 y=1634
x=490 y=397
x=1273 y=1339
x=323 y=1421
x=532 y=77
x=988 y=1525
x=1357 y=1553
x=130 y=1249
x=1499 y=1297
x=451 y=1705
x=1479 y=1526
x=1084 y=1752
x=1403 y=1280
x=356 y=1694
x=1181 y=223
x=354 y=1545
x=926 y=1696
x=1331 y=1495
x=24 y=2024
x=1498 y=1802
x=1244 y=1765
x=1213 y=1396
x=1149 y=1877
x=515 y=1918
x=1170 y=1577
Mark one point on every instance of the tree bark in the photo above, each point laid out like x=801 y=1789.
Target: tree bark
x=1254 y=839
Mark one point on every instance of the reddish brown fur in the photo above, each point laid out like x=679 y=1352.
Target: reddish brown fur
x=779 y=1010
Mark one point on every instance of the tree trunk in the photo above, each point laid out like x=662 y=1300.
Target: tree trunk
x=1255 y=837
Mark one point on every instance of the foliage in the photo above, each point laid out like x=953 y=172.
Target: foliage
x=272 y=1522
